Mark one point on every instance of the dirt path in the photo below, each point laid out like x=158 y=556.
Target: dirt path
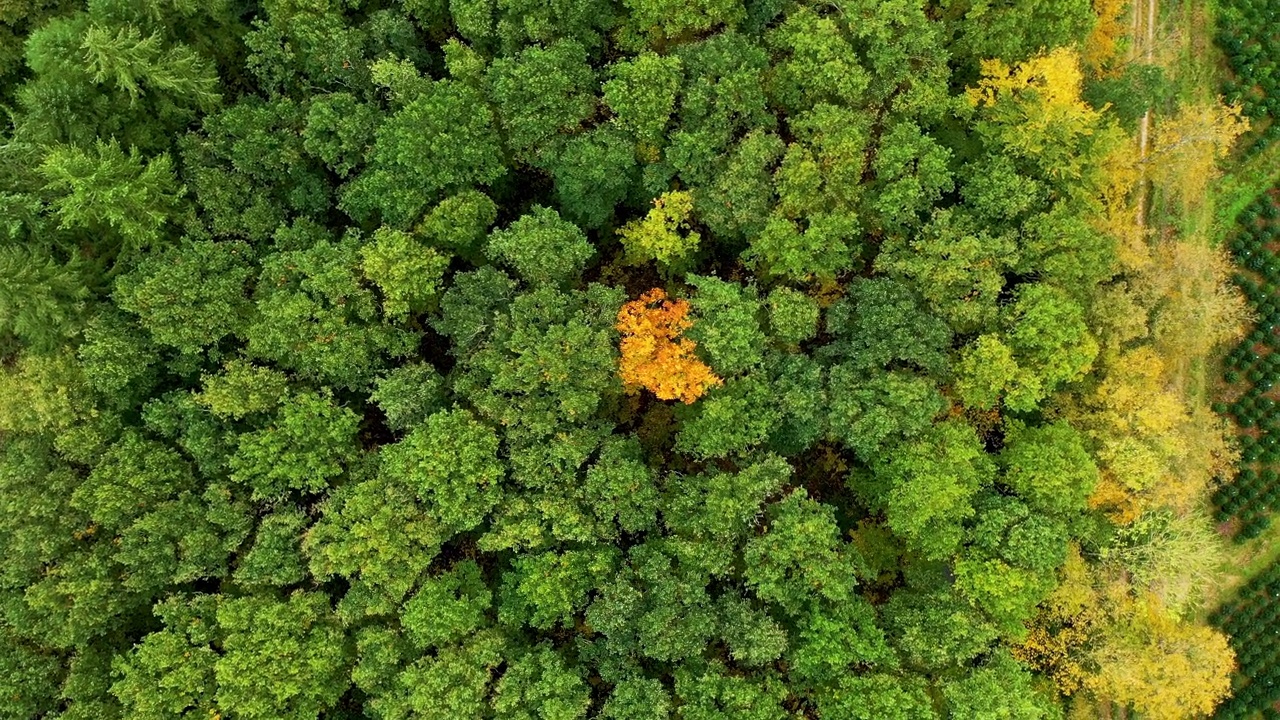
x=1144 y=45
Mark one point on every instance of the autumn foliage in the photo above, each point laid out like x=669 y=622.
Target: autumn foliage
x=1103 y=42
x=655 y=356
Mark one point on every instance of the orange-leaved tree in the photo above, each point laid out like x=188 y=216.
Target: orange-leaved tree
x=655 y=356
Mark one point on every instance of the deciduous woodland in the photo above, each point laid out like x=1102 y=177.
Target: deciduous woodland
x=620 y=359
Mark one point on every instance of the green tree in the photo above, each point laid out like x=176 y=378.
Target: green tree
x=932 y=481
x=339 y=131
x=275 y=557
x=468 y=308
x=379 y=537
x=77 y=603
x=170 y=674
x=380 y=657
x=593 y=173
x=869 y=414
x=448 y=607
x=1046 y=344
x=118 y=359
x=409 y=394
x=295 y=48
x=251 y=173
x=836 y=138
x=658 y=605
x=834 y=637
x=28 y=678
x=40 y=393
x=1007 y=529
x=309 y=445
x=285 y=659
x=139 y=65
x=95 y=77
x=549 y=588
x=708 y=692
x=987 y=375
x=179 y=417
x=912 y=173
x=134 y=476
x=957 y=265
x=655 y=22
x=409 y=274
x=451 y=462
x=1065 y=249
x=879 y=322
x=818 y=62
x=729 y=420
x=620 y=487
x=990 y=30
x=191 y=296
x=315 y=316
x=106 y=190
x=793 y=316
x=541 y=248
x=542 y=92
x=876 y=697
x=733 y=199
x=543 y=371
x=754 y=638
x=721 y=506
x=638 y=699
x=243 y=389
x=1000 y=688
x=525 y=22
x=460 y=223
x=40 y=299
x=1048 y=335
x=40 y=521
x=187 y=539
x=818 y=251
x=1007 y=595
x=800 y=558
x=642 y=92
x=1049 y=467
x=722 y=97
x=453 y=683
x=538 y=685
x=797 y=384
x=936 y=630
x=443 y=140
x=727 y=324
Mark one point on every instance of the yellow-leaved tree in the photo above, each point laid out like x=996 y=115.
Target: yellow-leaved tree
x=1034 y=109
x=1189 y=144
x=1103 y=41
x=1161 y=666
x=1100 y=639
x=1155 y=449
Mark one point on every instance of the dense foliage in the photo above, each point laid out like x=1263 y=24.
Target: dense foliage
x=552 y=359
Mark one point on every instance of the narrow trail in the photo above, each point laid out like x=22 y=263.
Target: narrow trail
x=1144 y=43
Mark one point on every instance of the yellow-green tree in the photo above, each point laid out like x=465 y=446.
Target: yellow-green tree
x=657 y=236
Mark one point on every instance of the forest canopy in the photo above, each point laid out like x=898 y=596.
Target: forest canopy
x=555 y=359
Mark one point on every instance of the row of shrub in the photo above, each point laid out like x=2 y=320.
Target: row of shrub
x=1252 y=369
x=1253 y=622
x=1249 y=36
